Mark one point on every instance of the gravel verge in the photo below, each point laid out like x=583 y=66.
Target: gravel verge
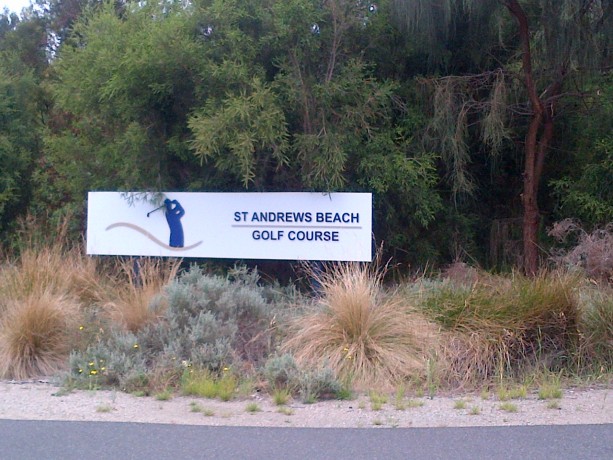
x=40 y=400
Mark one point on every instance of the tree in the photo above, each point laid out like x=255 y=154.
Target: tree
x=22 y=106
x=555 y=45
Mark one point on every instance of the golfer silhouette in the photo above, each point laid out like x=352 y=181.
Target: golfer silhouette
x=174 y=212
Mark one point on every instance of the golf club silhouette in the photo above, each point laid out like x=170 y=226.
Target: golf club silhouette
x=156 y=209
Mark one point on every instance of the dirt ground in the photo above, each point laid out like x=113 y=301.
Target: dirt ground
x=40 y=400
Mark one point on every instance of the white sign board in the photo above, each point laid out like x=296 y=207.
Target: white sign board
x=283 y=226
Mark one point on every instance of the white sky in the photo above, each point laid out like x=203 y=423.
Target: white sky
x=14 y=5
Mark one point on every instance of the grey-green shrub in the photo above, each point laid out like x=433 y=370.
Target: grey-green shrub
x=311 y=384
x=210 y=322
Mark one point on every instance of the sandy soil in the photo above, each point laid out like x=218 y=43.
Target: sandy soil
x=39 y=400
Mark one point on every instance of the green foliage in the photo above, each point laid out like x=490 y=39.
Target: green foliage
x=244 y=134
x=22 y=101
x=589 y=197
x=203 y=383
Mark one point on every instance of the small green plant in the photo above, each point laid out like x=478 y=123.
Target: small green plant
x=475 y=410
x=104 y=408
x=164 y=396
x=195 y=407
x=399 y=402
x=518 y=392
x=459 y=404
x=508 y=407
x=280 y=396
x=253 y=407
x=208 y=412
x=485 y=394
x=553 y=404
x=204 y=384
x=285 y=410
x=377 y=400
x=551 y=388
x=413 y=403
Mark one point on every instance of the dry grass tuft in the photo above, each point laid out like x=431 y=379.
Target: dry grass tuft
x=35 y=334
x=366 y=336
x=139 y=299
x=55 y=270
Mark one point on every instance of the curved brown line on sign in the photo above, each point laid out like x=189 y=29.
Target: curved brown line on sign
x=142 y=231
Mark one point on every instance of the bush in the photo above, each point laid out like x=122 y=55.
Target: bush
x=210 y=322
x=35 y=334
x=592 y=252
x=364 y=335
x=502 y=326
x=282 y=372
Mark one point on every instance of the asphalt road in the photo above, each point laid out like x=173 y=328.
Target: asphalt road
x=49 y=440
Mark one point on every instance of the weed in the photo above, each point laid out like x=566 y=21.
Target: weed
x=195 y=407
x=399 y=403
x=517 y=392
x=104 y=408
x=285 y=410
x=164 y=396
x=253 y=407
x=553 y=405
x=280 y=396
x=474 y=410
x=459 y=404
x=508 y=407
x=377 y=400
x=204 y=384
x=550 y=391
x=208 y=412
x=413 y=403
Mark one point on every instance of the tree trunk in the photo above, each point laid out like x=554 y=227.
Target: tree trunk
x=535 y=148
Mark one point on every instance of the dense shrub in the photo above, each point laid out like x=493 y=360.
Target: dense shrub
x=210 y=322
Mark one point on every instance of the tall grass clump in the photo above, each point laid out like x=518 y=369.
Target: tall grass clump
x=53 y=269
x=499 y=326
x=139 y=298
x=44 y=292
x=596 y=328
x=366 y=335
x=35 y=334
